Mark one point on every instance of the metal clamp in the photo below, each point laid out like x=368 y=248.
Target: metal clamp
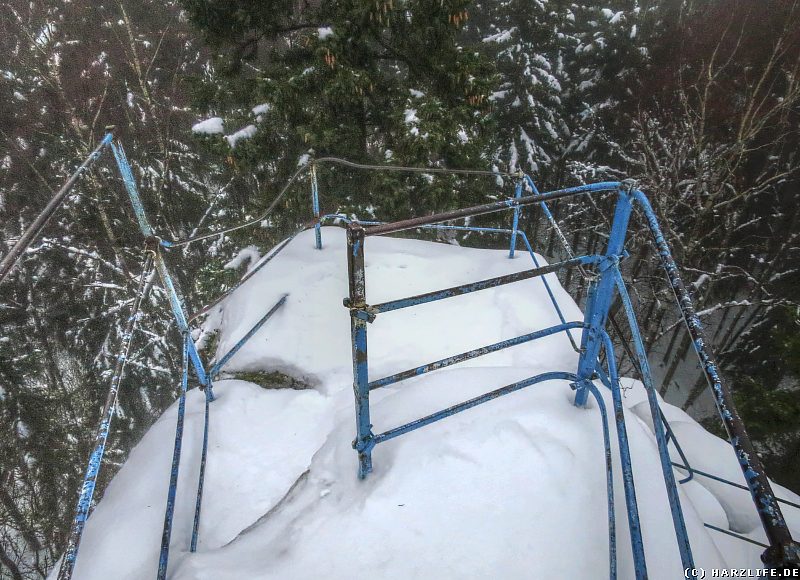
x=364 y=444
x=152 y=244
x=629 y=185
x=361 y=310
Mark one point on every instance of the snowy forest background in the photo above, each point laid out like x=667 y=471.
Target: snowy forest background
x=699 y=100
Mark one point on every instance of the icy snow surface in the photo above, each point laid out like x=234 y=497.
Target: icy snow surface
x=512 y=489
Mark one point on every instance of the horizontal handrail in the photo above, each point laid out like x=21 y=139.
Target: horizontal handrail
x=229 y=355
x=14 y=254
x=305 y=227
x=470 y=354
x=735 y=535
x=513 y=387
x=263 y=262
x=482 y=284
x=444 y=413
x=309 y=166
x=728 y=482
x=496 y=206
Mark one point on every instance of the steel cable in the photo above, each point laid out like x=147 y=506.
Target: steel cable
x=339 y=161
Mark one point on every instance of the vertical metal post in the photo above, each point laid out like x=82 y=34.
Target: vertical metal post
x=634 y=525
x=201 y=478
x=612 y=524
x=553 y=223
x=549 y=291
x=658 y=428
x=190 y=353
x=601 y=295
x=169 y=512
x=315 y=207
x=96 y=457
x=357 y=303
x=176 y=303
x=784 y=552
x=515 y=222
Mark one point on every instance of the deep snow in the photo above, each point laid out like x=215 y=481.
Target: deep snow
x=514 y=488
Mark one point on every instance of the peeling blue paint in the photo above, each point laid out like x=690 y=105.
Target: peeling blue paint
x=101 y=437
x=783 y=551
x=169 y=512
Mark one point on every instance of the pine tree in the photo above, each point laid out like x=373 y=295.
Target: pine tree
x=710 y=128
x=559 y=63
x=383 y=82
x=72 y=69
x=767 y=376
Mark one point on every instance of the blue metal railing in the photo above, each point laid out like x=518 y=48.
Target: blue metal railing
x=175 y=300
x=242 y=341
x=658 y=424
x=459 y=358
x=605 y=280
x=361 y=314
x=190 y=354
x=634 y=525
x=101 y=437
x=198 y=504
x=163 y=558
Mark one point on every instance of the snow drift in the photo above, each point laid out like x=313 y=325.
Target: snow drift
x=511 y=489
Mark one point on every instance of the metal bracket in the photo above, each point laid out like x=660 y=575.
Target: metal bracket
x=608 y=262
x=365 y=443
x=782 y=557
x=152 y=244
x=362 y=310
x=629 y=185
x=584 y=383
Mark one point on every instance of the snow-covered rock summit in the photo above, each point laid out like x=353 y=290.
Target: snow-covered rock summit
x=511 y=489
